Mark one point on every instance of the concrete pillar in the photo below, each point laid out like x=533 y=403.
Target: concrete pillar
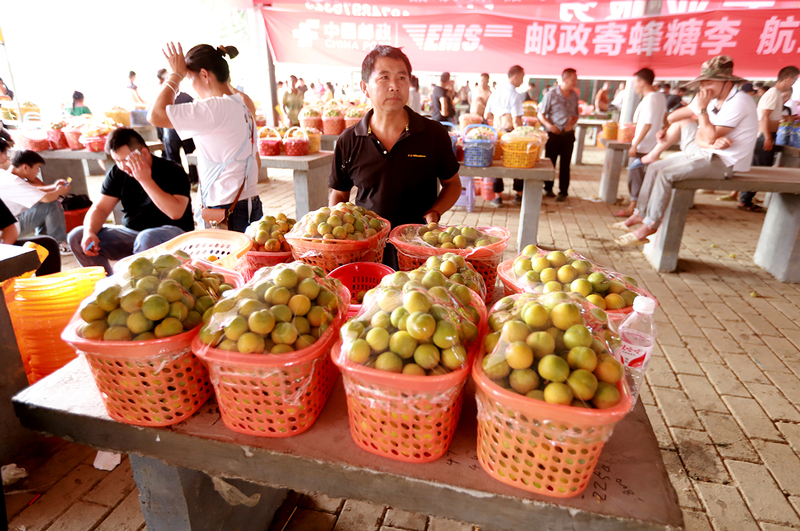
x=778 y=249
x=181 y=499
x=310 y=189
x=662 y=251
x=529 y=214
x=609 y=178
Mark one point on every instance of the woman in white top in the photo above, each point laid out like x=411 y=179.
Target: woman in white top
x=222 y=125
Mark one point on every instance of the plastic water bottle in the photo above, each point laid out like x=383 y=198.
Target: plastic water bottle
x=638 y=335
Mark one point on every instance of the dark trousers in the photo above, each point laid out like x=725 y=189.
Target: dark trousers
x=497 y=185
x=560 y=145
x=239 y=220
x=51 y=264
x=760 y=158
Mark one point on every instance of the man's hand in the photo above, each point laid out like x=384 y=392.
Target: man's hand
x=90 y=243
x=703 y=98
x=632 y=153
x=63 y=188
x=723 y=142
x=175 y=58
x=555 y=130
x=768 y=143
x=139 y=169
x=431 y=217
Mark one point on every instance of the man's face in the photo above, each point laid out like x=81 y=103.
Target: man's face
x=638 y=85
x=3 y=158
x=121 y=158
x=786 y=84
x=29 y=172
x=388 y=84
x=569 y=81
x=518 y=79
x=714 y=87
x=485 y=81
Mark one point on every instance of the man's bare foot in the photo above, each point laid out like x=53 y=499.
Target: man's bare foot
x=650 y=158
x=633 y=220
x=644 y=231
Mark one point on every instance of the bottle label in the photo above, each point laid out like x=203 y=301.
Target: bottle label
x=635 y=356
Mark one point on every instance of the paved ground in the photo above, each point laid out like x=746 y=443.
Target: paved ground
x=723 y=392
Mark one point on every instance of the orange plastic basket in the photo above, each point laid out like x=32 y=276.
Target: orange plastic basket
x=273 y=395
x=359 y=276
x=73 y=140
x=484 y=259
x=404 y=417
x=255 y=260
x=314 y=122
x=227 y=247
x=519 y=153
x=95 y=144
x=332 y=125
x=509 y=284
x=146 y=383
x=543 y=448
x=329 y=256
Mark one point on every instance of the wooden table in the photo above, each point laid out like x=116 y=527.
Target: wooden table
x=581 y=128
x=531 y=193
x=310 y=178
x=631 y=489
x=63 y=163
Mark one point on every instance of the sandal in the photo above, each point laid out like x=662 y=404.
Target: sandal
x=636 y=163
x=750 y=208
x=620 y=225
x=630 y=240
x=726 y=197
x=622 y=214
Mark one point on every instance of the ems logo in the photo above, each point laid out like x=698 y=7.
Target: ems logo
x=454 y=37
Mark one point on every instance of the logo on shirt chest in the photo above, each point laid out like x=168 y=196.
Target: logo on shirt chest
x=415 y=156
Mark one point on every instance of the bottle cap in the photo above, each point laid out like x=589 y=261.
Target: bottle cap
x=644 y=305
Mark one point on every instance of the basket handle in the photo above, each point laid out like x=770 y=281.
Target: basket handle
x=269 y=130
x=472 y=126
x=293 y=131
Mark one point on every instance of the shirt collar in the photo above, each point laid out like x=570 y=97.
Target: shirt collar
x=415 y=123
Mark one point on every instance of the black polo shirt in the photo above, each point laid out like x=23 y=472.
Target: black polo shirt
x=399 y=185
x=139 y=212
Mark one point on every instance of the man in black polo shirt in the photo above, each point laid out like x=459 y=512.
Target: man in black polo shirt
x=155 y=203
x=394 y=156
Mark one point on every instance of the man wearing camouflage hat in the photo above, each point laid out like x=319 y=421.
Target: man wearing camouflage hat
x=717 y=134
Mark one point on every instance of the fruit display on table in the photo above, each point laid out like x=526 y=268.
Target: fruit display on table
x=153 y=299
x=269 y=233
x=540 y=271
x=456 y=269
x=417 y=323
x=342 y=222
x=282 y=309
x=444 y=237
x=543 y=347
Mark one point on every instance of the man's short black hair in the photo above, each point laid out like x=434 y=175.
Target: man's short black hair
x=445 y=77
x=568 y=71
x=787 y=72
x=31 y=158
x=382 y=50
x=515 y=70
x=124 y=136
x=131 y=74
x=4 y=145
x=161 y=74
x=646 y=75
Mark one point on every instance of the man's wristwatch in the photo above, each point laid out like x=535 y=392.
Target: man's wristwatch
x=434 y=211
x=703 y=111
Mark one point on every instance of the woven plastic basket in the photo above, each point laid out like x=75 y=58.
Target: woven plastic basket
x=404 y=417
x=295 y=142
x=254 y=260
x=228 y=247
x=73 y=140
x=520 y=152
x=57 y=139
x=359 y=276
x=273 y=395
x=543 y=448
x=329 y=256
x=332 y=125
x=350 y=121
x=504 y=271
x=484 y=259
x=478 y=152
x=269 y=142
x=311 y=122
x=95 y=144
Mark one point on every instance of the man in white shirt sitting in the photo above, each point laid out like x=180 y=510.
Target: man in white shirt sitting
x=719 y=143
x=504 y=111
x=33 y=203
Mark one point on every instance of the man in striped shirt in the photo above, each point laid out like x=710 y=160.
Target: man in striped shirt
x=558 y=113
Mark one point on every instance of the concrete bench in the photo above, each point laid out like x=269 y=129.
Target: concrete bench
x=778 y=247
x=174 y=468
x=616 y=156
x=581 y=129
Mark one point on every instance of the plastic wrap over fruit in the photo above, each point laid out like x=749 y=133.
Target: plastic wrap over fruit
x=456 y=269
x=461 y=240
x=413 y=327
x=539 y=271
x=282 y=309
x=153 y=299
x=553 y=348
x=343 y=222
x=268 y=233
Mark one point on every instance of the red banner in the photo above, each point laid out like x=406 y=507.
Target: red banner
x=760 y=42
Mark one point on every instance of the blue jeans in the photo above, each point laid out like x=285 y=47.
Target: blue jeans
x=117 y=242
x=44 y=218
